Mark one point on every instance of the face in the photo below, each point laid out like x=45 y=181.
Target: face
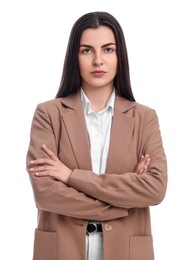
x=97 y=58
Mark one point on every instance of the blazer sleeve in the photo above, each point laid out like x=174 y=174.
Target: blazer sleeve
x=54 y=196
x=129 y=190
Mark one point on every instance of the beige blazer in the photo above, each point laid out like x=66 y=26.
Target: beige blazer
x=120 y=199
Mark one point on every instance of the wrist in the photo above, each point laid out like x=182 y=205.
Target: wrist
x=67 y=177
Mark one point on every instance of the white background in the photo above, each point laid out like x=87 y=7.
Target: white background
x=161 y=41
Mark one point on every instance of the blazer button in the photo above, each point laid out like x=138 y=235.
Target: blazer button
x=107 y=227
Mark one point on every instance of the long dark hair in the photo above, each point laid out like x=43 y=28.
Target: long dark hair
x=71 y=80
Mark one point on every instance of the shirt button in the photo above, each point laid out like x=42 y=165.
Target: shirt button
x=107 y=227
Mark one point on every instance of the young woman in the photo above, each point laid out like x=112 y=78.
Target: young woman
x=96 y=159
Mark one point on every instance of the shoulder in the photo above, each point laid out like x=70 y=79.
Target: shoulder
x=60 y=104
x=143 y=109
x=140 y=113
x=56 y=102
x=144 y=113
x=50 y=106
x=132 y=107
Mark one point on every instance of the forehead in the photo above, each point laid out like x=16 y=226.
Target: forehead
x=101 y=35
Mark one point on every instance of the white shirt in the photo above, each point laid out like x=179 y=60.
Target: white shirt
x=99 y=128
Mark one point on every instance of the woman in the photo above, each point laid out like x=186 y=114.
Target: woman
x=96 y=159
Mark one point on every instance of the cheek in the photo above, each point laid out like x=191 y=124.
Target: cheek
x=81 y=67
x=83 y=71
x=113 y=63
x=83 y=64
x=113 y=66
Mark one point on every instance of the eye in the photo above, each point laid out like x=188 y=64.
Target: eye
x=86 y=50
x=109 y=49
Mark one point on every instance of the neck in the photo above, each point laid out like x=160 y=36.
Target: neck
x=98 y=97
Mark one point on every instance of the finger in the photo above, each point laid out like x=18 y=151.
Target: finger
x=144 y=161
x=40 y=168
x=50 y=174
x=142 y=157
x=139 y=165
x=49 y=153
x=42 y=174
x=141 y=161
x=145 y=167
x=40 y=161
x=147 y=162
x=143 y=170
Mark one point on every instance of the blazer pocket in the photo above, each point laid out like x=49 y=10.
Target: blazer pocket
x=45 y=245
x=141 y=248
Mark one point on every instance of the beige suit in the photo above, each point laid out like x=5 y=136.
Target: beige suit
x=119 y=198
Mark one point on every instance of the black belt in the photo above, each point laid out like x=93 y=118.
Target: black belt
x=93 y=228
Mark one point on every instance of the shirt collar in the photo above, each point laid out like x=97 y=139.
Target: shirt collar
x=87 y=104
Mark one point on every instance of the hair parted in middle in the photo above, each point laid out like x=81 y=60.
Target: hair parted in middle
x=71 y=79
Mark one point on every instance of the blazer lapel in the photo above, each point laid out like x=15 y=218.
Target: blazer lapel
x=75 y=124
x=121 y=132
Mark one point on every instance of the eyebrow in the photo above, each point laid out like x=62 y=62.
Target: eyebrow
x=105 y=45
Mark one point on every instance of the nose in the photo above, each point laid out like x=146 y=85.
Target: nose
x=97 y=59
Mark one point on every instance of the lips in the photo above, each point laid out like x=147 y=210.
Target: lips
x=98 y=73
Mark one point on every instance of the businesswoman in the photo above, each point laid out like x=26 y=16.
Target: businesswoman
x=95 y=159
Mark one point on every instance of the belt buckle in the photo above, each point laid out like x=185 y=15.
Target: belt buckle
x=94 y=229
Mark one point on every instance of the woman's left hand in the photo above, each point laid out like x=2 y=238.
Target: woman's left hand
x=51 y=166
x=143 y=165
